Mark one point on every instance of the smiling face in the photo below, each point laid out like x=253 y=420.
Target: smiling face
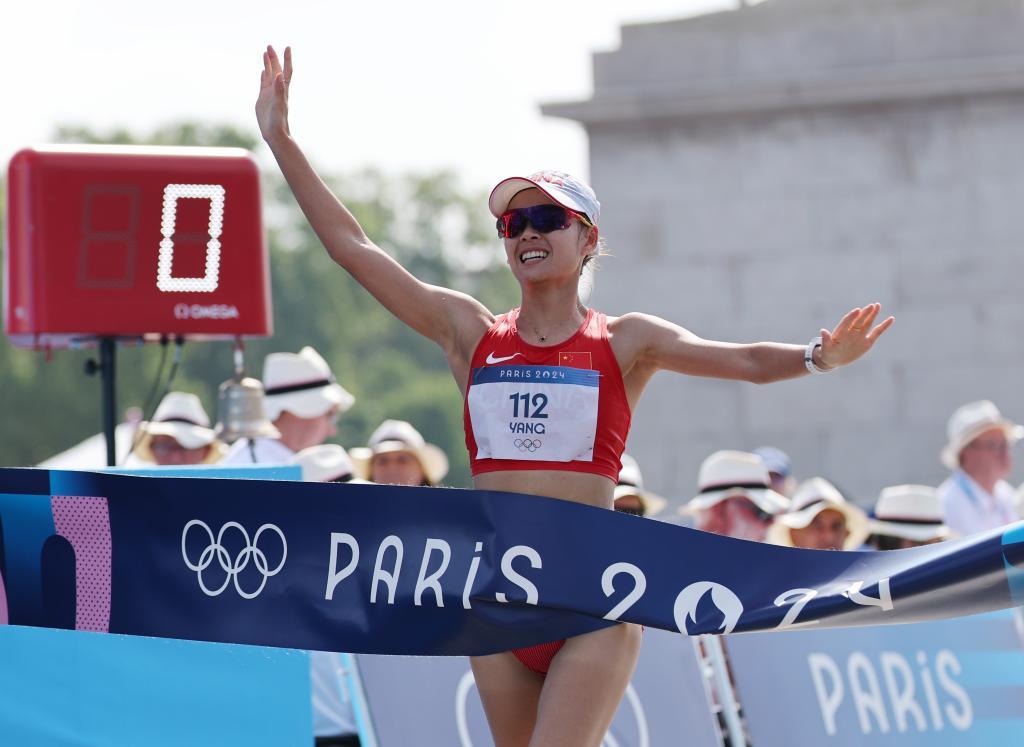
x=554 y=257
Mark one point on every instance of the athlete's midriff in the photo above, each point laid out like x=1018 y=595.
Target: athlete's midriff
x=580 y=487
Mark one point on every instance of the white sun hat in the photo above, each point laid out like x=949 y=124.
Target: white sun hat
x=399 y=435
x=729 y=474
x=811 y=498
x=302 y=384
x=181 y=416
x=631 y=482
x=912 y=512
x=970 y=421
x=324 y=463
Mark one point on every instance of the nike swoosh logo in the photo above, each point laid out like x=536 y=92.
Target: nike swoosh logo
x=491 y=360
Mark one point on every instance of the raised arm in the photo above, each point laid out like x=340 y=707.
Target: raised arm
x=653 y=344
x=445 y=316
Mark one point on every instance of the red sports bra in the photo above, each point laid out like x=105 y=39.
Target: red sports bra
x=561 y=407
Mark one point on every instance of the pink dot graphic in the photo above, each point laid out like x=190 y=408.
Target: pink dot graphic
x=84 y=521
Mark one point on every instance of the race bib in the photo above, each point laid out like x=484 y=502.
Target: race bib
x=538 y=413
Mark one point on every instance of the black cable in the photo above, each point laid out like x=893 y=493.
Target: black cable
x=152 y=404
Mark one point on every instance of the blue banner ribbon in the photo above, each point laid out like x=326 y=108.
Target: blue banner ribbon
x=433 y=571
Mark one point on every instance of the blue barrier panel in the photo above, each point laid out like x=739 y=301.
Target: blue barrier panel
x=957 y=682
x=63 y=687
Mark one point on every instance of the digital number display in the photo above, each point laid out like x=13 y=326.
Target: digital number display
x=134 y=242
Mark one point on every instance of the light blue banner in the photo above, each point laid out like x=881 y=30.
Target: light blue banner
x=957 y=683
x=63 y=688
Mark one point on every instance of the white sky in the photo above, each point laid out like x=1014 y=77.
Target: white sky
x=399 y=85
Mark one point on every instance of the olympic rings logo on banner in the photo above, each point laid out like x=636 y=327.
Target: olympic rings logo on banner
x=527 y=444
x=232 y=567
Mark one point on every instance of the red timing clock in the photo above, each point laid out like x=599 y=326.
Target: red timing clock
x=120 y=241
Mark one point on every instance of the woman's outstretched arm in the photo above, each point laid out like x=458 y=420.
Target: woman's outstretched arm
x=443 y=315
x=655 y=344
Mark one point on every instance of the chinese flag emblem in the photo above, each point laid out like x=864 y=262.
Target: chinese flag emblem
x=575 y=360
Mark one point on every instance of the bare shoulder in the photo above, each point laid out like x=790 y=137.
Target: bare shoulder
x=641 y=328
x=631 y=323
x=630 y=336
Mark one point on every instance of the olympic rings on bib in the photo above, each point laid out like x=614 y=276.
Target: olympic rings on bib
x=232 y=567
x=527 y=444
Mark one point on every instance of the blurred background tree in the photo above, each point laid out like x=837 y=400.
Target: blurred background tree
x=436 y=227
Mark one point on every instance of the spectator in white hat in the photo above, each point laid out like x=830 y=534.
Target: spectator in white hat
x=179 y=433
x=630 y=496
x=907 y=516
x=325 y=463
x=302 y=400
x=734 y=497
x=976 y=496
x=819 y=518
x=397 y=455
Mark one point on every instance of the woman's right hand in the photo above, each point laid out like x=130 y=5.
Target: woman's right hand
x=272 y=104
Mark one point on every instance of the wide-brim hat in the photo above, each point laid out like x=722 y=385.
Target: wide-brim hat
x=301 y=383
x=399 y=435
x=970 y=421
x=324 y=463
x=735 y=474
x=181 y=416
x=811 y=498
x=565 y=189
x=912 y=512
x=631 y=482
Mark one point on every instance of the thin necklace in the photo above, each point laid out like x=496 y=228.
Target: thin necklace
x=543 y=338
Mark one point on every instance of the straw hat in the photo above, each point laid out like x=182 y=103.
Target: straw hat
x=302 y=384
x=810 y=499
x=399 y=435
x=181 y=416
x=728 y=474
x=324 y=463
x=912 y=512
x=970 y=421
x=631 y=482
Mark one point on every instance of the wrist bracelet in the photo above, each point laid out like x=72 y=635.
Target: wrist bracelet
x=809 y=357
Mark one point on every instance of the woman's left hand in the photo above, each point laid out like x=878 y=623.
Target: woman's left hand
x=852 y=337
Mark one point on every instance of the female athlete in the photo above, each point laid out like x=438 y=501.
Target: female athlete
x=549 y=388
